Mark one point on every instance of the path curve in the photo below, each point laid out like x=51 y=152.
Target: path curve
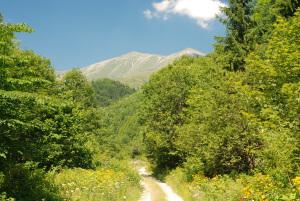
x=170 y=195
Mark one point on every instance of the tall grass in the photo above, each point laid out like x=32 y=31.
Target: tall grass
x=256 y=187
x=98 y=185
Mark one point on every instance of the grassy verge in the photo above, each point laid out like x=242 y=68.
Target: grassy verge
x=257 y=187
x=176 y=179
x=98 y=185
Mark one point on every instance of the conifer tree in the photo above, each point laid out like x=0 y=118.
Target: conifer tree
x=234 y=47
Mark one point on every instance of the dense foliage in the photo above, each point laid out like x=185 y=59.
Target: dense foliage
x=235 y=46
x=35 y=125
x=248 y=23
x=108 y=91
x=232 y=118
x=166 y=96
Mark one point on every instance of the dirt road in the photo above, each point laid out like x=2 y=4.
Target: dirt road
x=155 y=190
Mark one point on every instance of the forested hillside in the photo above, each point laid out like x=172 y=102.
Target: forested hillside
x=108 y=91
x=221 y=127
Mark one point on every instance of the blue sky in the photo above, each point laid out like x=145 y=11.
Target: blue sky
x=76 y=33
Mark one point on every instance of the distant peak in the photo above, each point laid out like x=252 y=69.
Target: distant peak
x=188 y=52
x=135 y=53
x=191 y=51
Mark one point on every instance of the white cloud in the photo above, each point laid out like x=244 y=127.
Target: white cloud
x=203 y=11
x=163 y=6
x=148 y=14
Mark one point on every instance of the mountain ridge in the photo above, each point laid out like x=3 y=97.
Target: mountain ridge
x=134 y=68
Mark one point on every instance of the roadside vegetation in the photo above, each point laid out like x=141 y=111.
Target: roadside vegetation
x=102 y=184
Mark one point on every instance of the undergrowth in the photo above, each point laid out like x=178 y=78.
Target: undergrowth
x=257 y=187
x=103 y=184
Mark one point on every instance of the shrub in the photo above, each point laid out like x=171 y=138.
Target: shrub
x=27 y=184
x=264 y=187
x=258 y=187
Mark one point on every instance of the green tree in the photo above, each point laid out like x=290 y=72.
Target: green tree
x=273 y=69
x=21 y=70
x=108 y=91
x=76 y=88
x=165 y=98
x=38 y=129
x=219 y=135
x=265 y=14
x=234 y=47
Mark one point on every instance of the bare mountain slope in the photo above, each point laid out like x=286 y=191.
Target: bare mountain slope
x=133 y=68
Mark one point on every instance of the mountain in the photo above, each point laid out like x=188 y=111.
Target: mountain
x=134 y=68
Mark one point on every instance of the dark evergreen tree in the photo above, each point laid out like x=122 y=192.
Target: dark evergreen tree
x=266 y=13
x=235 y=46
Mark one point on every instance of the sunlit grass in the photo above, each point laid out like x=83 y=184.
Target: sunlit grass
x=256 y=187
x=98 y=185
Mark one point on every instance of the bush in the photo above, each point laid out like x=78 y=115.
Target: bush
x=257 y=187
x=264 y=187
x=3 y=197
x=27 y=184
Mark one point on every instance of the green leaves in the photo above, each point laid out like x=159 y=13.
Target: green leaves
x=165 y=99
x=273 y=70
x=212 y=121
x=108 y=91
x=31 y=124
x=7 y=43
x=234 y=47
x=37 y=124
x=77 y=89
